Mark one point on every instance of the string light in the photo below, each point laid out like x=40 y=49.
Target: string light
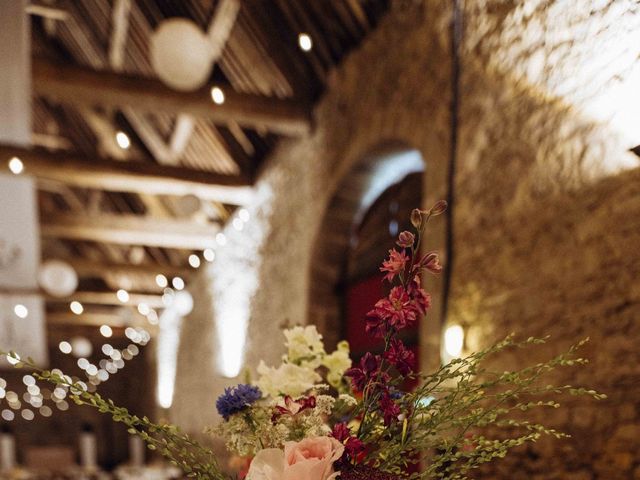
x=122 y=139
x=152 y=317
x=178 y=283
x=122 y=295
x=65 y=347
x=76 y=307
x=194 y=260
x=238 y=224
x=143 y=309
x=217 y=95
x=209 y=255
x=161 y=281
x=21 y=311
x=221 y=239
x=106 y=331
x=16 y=166
x=454 y=340
x=305 y=42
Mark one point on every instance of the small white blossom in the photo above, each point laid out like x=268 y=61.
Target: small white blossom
x=287 y=379
x=337 y=363
x=347 y=400
x=304 y=344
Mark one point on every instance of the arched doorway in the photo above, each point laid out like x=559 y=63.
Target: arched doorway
x=369 y=207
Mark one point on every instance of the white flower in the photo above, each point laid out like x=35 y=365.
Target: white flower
x=347 y=399
x=287 y=379
x=337 y=363
x=304 y=344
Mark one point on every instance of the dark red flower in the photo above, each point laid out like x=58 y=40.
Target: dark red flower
x=394 y=265
x=376 y=326
x=353 y=446
x=369 y=368
x=405 y=239
x=400 y=357
x=341 y=432
x=389 y=409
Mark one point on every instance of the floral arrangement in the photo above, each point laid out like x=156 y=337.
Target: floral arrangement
x=318 y=417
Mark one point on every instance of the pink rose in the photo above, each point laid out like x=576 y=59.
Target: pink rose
x=309 y=459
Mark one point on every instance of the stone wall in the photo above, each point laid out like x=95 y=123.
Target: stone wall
x=545 y=219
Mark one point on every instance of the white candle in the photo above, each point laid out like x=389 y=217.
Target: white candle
x=136 y=451
x=88 y=450
x=7 y=452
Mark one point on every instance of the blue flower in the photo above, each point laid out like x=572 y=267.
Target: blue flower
x=236 y=399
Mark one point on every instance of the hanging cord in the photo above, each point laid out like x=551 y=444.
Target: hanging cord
x=456 y=41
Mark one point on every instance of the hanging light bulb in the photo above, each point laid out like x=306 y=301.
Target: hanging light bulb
x=304 y=42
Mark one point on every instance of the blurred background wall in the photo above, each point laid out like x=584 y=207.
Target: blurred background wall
x=545 y=207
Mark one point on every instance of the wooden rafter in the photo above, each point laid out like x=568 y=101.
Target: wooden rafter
x=138 y=177
x=87 y=268
x=131 y=230
x=110 y=298
x=116 y=319
x=83 y=87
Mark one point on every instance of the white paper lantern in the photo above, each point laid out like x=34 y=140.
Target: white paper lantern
x=181 y=54
x=57 y=278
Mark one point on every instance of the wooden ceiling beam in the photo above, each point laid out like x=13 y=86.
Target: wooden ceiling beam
x=88 y=88
x=86 y=268
x=114 y=320
x=137 y=177
x=110 y=298
x=131 y=230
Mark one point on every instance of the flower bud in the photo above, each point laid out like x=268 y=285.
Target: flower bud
x=405 y=239
x=438 y=208
x=416 y=218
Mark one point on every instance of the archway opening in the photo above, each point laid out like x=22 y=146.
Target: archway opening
x=369 y=208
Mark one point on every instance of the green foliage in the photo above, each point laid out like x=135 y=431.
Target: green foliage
x=195 y=460
x=449 y=412
x=463 y=398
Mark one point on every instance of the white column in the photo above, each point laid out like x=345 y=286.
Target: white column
x=15 y=73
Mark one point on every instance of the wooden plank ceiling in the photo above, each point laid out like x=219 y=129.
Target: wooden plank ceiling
x=189 y=165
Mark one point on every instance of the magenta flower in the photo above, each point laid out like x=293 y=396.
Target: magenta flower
x=397 y=309
x=421 y=300
x=395 y=265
